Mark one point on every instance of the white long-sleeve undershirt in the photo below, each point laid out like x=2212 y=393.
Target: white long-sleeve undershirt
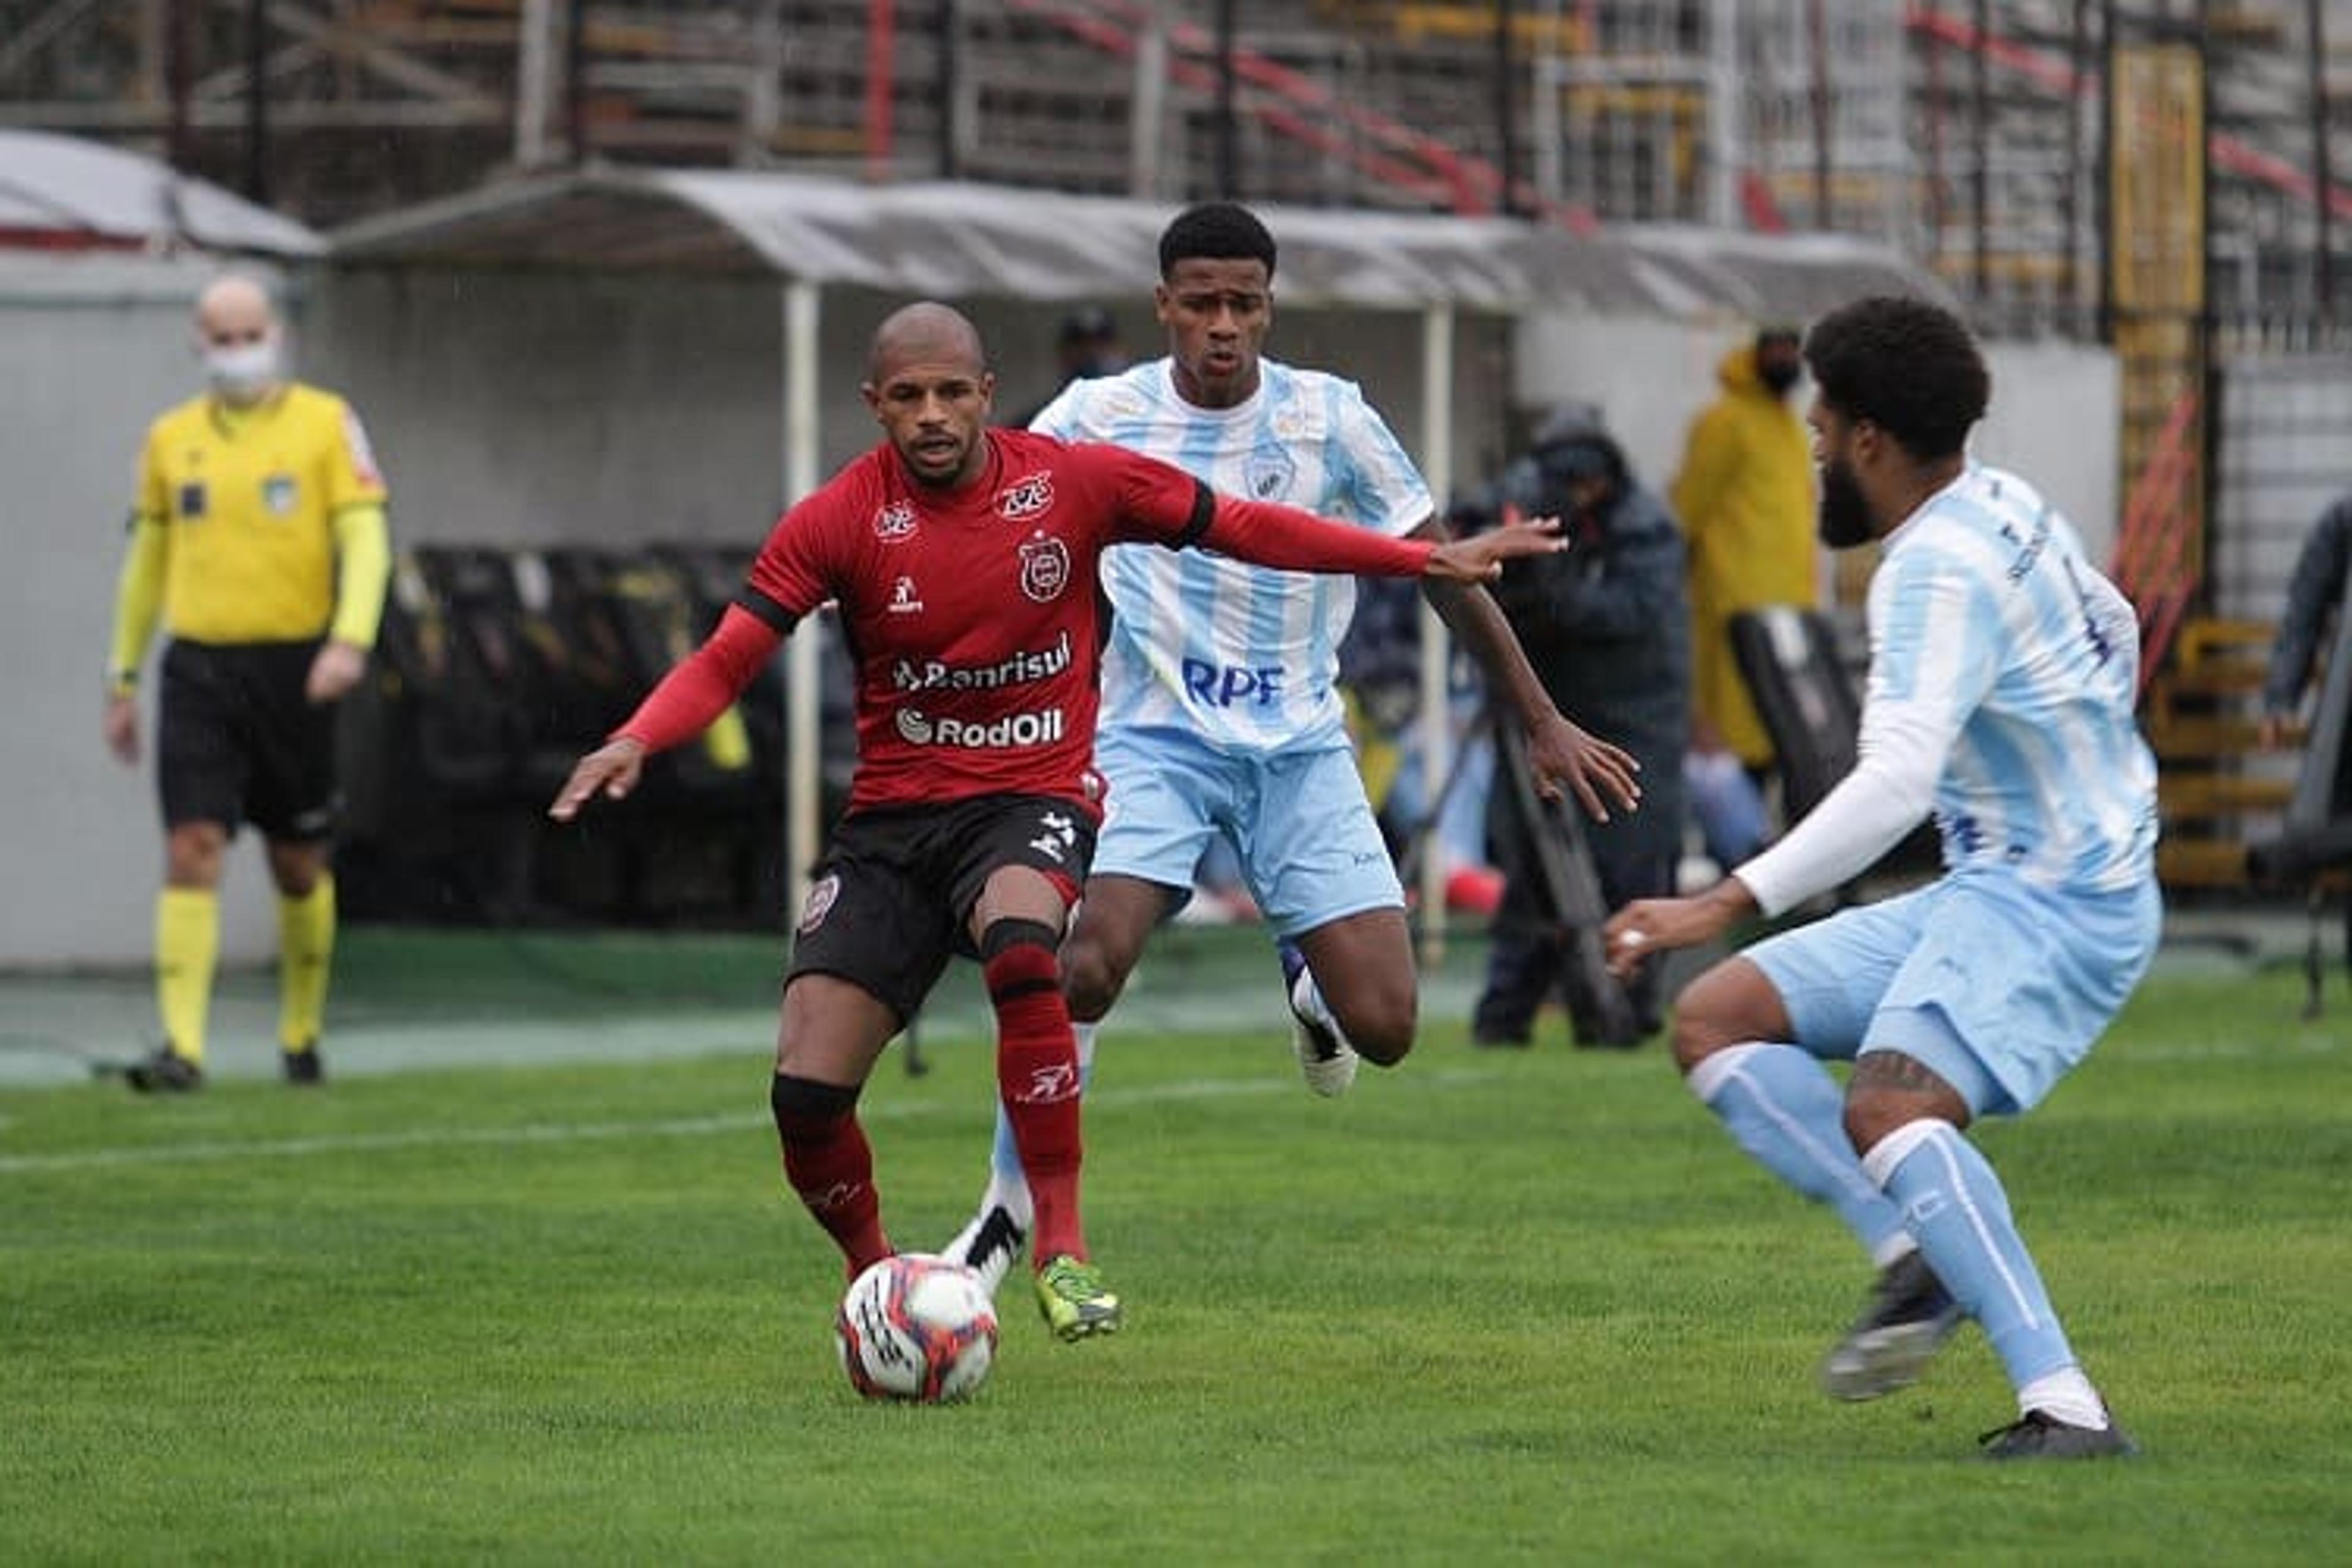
x=1903 y=750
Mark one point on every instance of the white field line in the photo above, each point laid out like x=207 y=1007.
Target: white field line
x=591 y=1131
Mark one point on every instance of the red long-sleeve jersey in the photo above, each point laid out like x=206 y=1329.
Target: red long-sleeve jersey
x=972 y=614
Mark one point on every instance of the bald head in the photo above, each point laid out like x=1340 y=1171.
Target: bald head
x=236 y=333
x=234 y=306
x=929 y=386
x=925 y=332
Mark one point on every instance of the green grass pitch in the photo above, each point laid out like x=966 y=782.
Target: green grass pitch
x=1493 y=1307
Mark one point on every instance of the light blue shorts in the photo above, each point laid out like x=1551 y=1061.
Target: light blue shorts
x=1310 y=848
x=1997 y=986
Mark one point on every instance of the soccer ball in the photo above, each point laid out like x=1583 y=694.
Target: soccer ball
x=916 y=1327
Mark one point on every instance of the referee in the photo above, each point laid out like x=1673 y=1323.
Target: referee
x=258 y=539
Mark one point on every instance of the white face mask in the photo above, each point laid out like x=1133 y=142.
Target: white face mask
x=243 y=373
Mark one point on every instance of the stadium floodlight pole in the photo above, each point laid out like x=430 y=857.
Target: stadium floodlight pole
x=764 y=110
x=180 y=76
x=1820 y=101
x=2315 y=54
x=881 y=71
x=1229 y=158
x=1436 y=721
x=1980 y=154
x=802 y=742
x=257 y=101
x=2106 y=183
x=2069 y=205
x=947 y=83
x=1723 y=114
x=1544 y=84
x=149 y=80
x=1507 y=111
x=534 y=72
x=1148 y=107
x=575 y=82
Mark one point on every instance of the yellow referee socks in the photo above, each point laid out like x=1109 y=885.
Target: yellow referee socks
x=306 y=947
x=187 y=949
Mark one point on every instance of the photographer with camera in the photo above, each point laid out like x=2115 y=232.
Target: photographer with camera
x=1606 y=625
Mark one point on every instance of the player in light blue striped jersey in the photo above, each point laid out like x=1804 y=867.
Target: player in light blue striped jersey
x=2002 y=679
x=1220 y=712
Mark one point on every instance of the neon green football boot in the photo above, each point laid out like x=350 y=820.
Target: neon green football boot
x=1071 y=1294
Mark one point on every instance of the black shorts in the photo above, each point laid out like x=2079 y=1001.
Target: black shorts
x=237 y=742
x=892 y=899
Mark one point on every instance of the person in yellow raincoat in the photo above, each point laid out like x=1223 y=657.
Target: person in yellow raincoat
x=1745 y=499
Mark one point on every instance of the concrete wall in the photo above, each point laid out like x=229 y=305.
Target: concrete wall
x=96 y=347
x=2057 y=418
x=2285 y=456
x=517 y=407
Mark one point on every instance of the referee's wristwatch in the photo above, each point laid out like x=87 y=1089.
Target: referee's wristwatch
x=122 y=683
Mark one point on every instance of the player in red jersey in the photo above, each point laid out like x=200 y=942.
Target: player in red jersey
x=963 y=560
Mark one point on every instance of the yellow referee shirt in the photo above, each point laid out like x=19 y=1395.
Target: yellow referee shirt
x=247 y=502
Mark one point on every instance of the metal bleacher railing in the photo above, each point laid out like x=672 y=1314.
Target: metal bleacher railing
x=1967 y=134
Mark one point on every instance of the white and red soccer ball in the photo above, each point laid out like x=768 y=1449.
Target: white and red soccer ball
x=916 y=1327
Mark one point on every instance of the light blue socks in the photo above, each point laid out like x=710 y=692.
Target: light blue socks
x=1923 y=1184
x=1954 y=1203
x=1784 y=1109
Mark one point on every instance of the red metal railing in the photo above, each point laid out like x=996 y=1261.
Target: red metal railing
x=1297 y=107
x=2153 y=563
x=2052 y=73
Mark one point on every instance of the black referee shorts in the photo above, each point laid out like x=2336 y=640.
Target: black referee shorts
x=891 y=901
x=237 y=742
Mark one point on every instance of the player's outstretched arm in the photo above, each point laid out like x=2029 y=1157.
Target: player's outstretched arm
x=687 y=700
x=612 y=770
x=1268 y=534
x=1480 y=560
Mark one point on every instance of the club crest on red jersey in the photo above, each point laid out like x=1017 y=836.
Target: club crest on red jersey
x=1044 y=568
x=1031 y=495
x=895 y=523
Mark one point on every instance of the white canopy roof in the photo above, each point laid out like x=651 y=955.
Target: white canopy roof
x=949 y=240
x=62 y=188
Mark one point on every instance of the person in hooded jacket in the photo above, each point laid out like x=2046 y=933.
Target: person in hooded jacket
x=1606 y=625
x=1745 y=499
